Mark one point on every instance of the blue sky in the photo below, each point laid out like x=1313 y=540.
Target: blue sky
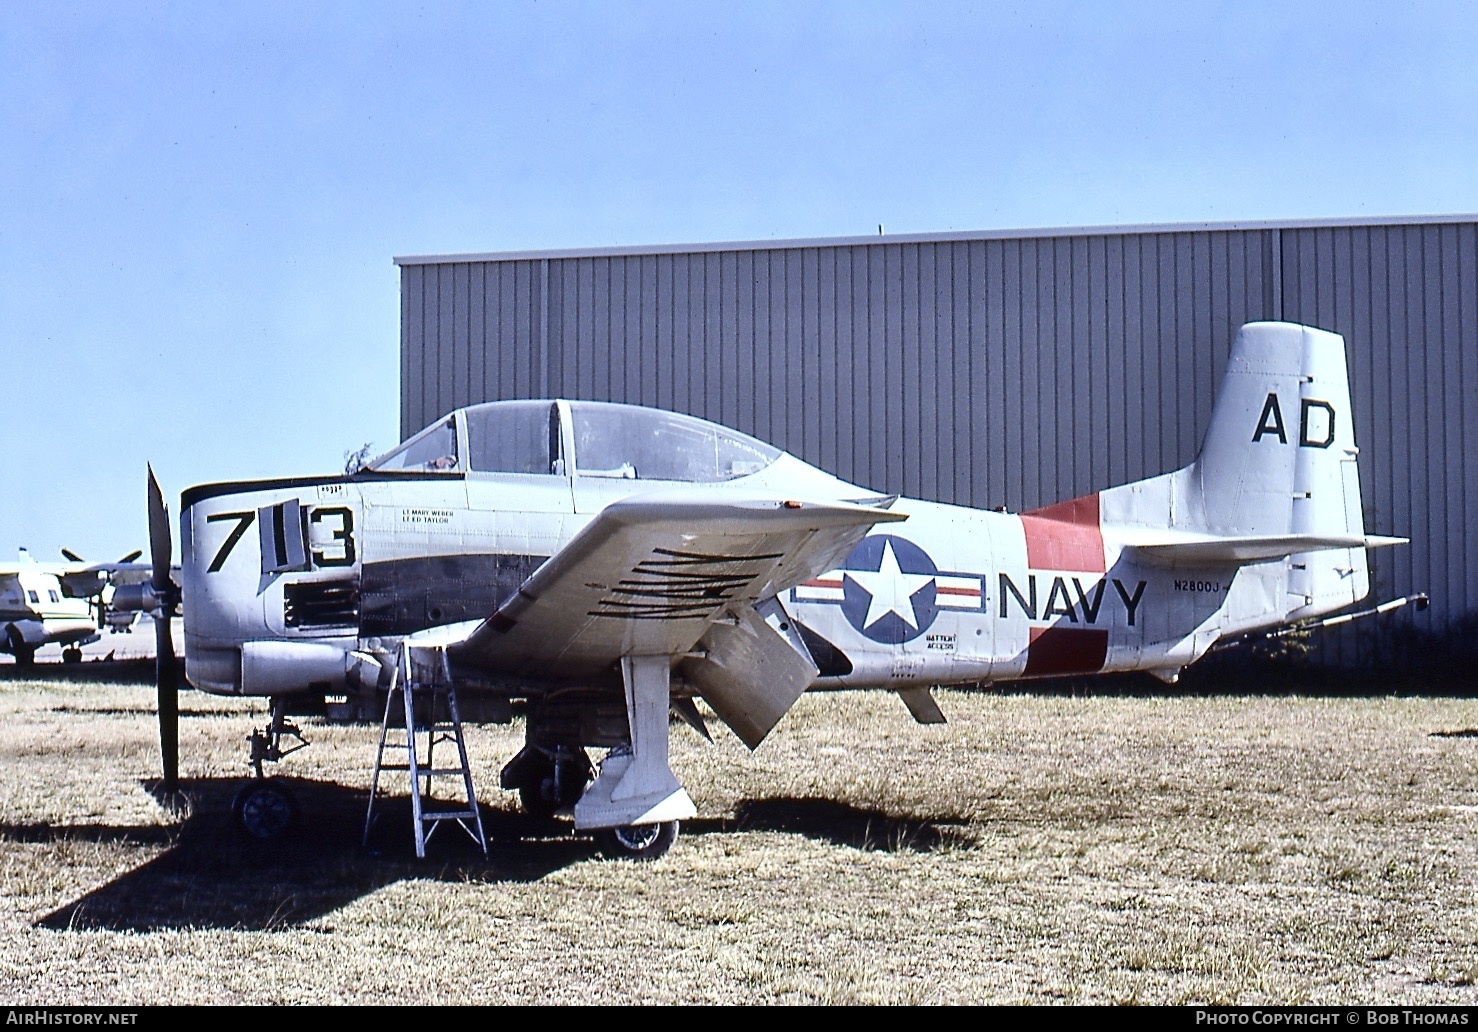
x=200 y=202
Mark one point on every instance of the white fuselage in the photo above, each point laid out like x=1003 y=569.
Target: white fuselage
x=34 y=607
x=951 y=595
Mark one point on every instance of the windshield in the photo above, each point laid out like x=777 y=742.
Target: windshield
x=627 y=442
x=434 y=448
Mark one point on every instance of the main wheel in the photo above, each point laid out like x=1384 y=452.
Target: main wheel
x=72 y=655
x=547 y=785
x=638 y=841
x=25 y=655
x=545 y=795
x=535 y=795
x=264 y=809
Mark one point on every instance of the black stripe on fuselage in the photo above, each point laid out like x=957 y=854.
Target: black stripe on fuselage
x=200 y=492
x=401 y=596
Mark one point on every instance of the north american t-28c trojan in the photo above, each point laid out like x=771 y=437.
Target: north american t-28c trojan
x=606 y=565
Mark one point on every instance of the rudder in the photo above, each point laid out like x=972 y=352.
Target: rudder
x=1278 y=464
x=1279 y=455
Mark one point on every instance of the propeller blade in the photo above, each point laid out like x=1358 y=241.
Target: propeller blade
x=67 y=553
x=167 y=677
x=131 y=556
x=166 y=669
x=161 y=544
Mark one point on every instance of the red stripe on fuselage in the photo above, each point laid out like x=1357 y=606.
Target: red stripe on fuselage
x=1065 y=536
x=1065 y=650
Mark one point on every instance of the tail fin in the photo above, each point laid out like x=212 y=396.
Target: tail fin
x=1279 y=457
x=1276 y=475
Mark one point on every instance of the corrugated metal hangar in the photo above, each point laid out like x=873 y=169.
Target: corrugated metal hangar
x=995 y=369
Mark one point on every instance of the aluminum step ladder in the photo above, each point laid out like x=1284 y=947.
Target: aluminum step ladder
x=420 y=715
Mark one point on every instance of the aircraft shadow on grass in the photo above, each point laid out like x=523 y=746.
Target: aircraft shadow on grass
x=210 y=875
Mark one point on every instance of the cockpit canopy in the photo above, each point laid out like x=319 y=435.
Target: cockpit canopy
x=580 y=438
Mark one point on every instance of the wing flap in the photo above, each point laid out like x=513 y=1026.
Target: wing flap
x=649 y=574
x=749 y=672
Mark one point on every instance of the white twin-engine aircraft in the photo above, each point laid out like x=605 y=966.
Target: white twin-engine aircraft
x=605 y=564
x=62 y=603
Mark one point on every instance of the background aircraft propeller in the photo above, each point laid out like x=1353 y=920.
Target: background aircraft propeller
x=93 y=583
x=72 y=556
x=166 y=670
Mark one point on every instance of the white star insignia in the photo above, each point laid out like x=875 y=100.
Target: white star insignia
x=891 y=589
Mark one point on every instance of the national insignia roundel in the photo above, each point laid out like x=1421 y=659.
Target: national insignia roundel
x=889 y=589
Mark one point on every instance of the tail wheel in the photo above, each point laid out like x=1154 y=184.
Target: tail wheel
x=642 y=842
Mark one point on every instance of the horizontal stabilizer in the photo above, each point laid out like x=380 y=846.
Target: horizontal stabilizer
x=1162 y=546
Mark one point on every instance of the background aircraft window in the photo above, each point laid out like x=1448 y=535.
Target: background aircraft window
x=624 y=441
x=434 y=448
x=35 y=598
x=512 y=437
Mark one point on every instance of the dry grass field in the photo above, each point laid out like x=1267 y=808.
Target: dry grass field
x=1036 y=849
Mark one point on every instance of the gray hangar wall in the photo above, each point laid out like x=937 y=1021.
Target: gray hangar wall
x=991 y=369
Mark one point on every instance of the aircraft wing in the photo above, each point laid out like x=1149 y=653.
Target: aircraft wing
x=78 y=579
x=650 y=574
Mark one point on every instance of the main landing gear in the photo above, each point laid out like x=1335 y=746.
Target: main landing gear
x=25 y=655
x=633 y=802
x=638 y=841
x=548 y=780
